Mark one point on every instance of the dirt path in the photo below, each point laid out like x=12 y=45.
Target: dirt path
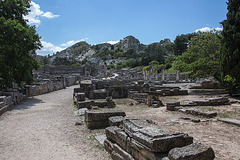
x=44 y=128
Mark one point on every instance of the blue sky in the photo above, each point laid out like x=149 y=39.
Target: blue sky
x=62 y=23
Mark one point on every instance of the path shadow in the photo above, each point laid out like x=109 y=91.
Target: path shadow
x=28 y=103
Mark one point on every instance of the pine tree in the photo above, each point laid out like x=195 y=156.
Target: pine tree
x=230 y=51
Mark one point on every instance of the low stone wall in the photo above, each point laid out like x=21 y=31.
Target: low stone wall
x=139 y=97
x=7 y=102
x=44 y=86
x=212 y=102
x=140 y=139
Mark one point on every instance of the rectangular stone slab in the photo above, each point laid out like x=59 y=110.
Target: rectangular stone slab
x=111 y=133
x=122 y=153
x=108 y=145
x=143 y=153
x=158 y=140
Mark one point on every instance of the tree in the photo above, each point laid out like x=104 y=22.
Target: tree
x=201 y=59
x=181 y=43
x=154 y=51
x=131 y=62
x=18 y=42
x=230 y=51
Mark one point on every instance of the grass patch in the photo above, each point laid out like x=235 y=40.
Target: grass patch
x=75 y=106
x=98 y=145
x=224 y=115
x=92 y=137
x=211 y=109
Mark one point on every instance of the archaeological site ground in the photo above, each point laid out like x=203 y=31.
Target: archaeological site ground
x=89 y=113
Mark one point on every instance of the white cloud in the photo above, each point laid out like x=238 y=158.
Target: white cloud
x=112 y=42
x=49 y=15
x=36 y=13
x=49 y=48
x=207 y=29
x=218 y=29
x=72 y=42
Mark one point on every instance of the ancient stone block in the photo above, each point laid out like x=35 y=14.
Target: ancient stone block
x=199 y=112
x=111 y=133
x=100 y=104
x=122 y=153
x=80 y=96
x=121 y=139
x=97 y=124
x=99 y=119
x=94 y=115
x=134 y=125
x=158 y=140
x=193 y=151
x=142 y=153
x=115 y=121
x=108 y=145
x=99 y=94
x=84 y=104
x=171 y=105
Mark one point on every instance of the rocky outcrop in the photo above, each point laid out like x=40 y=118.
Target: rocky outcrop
x=128 y=43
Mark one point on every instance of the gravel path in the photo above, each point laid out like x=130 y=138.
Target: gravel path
x=43 y=128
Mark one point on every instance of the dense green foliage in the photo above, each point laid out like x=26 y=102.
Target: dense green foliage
x=201 y=59
x=230 y=51
x=18 y=41
x=181 y=43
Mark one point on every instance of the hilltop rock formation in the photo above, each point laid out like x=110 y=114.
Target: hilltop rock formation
x=127 y=43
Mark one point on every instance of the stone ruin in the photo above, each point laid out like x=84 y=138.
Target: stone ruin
x=100 y=119
x=81 y=101
x=148 y=93
x=143 y=140
x=176 y=106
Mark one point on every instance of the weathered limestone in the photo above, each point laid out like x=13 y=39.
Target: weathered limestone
x=171 y=105
x=198 y=112
x=212 y=102
x=192 y=151
x=158 y=140
x=140 y=139
x=108 y=103
x=230 y=121
x=99 y=119
x=84 y=104
x=80 y=96
x=115 y=121
x=139 y=97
